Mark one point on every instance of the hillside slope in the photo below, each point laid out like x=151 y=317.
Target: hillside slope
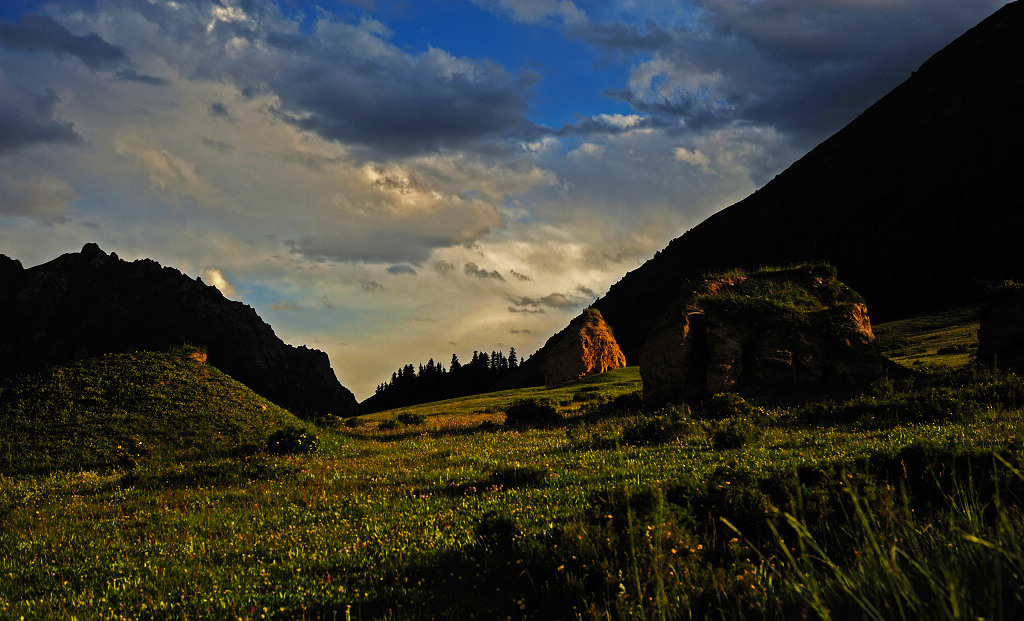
x=916 y=202
x=120 y=409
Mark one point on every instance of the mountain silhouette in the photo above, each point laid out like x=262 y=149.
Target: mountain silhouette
x=918 y=202
x=89 y=303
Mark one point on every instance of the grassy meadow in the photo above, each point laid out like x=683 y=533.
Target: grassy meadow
x=180 y=495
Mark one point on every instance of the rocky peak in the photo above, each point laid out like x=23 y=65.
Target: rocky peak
x=586 y=347
x=90 y=303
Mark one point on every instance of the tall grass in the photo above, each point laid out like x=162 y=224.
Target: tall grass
x=902 y=502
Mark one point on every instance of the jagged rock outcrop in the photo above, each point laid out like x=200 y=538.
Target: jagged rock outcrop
x=586 y=347
x=1001 y=330
x=761 y=333
x=90 y=303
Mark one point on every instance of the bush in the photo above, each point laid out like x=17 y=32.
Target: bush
x=531 y=413
x=291 y=441
x=388 y=425
x=725 y=405
x=353 y=421
x=411 y=418
x=735 y=433
x=657 y=430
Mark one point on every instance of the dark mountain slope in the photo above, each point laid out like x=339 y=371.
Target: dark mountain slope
x=919 y=202
x=86 y=304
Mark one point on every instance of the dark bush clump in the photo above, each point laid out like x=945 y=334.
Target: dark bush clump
x=411 y=418
x=388 y=425
x=291 y=441
x=531 y=413
x=725 y=405
x=735 y=433
x=657 y=430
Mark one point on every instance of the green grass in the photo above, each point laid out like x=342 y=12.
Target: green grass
x=901 y=502
x=122 y=410
x=948 y=339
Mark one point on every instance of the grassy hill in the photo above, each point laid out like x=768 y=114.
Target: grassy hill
x=900 y=502
x=122 y=410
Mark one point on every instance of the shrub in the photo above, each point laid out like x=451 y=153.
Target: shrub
x=735 y=433
x=657 y=430
x=388 y=425
x=411 y=418
x=725 y=405
x=291 y=441
x=531 y=413
x=353 y=421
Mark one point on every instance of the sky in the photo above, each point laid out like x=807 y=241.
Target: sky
x=394 y=180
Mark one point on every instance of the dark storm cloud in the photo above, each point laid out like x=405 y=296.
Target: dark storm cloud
x=35 y=33
x=346 y=81
x=402 y=270
x=471 y=269
x=444 y=268
x=129 y=75
x=530 y=304
x=619 y=36
x=219 y=111
x=403 y=108
x=218 y=145
x=805 y=68
x=27 y=119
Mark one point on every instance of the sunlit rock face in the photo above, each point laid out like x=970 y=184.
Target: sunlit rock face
x=1001 y=330
x=765 y=333
x=90 y=303
x=586 y=347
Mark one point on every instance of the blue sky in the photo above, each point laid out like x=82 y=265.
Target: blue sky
x=392 y=181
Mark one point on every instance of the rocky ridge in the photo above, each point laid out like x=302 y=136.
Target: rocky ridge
x=90 y=303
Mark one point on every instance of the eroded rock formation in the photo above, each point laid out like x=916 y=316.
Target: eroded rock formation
x=1001 y=330
x=586 y=347
x=90 y=303
x=764 y=333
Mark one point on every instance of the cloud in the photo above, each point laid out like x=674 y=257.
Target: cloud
x=536 y=11
x=620 y=36
x=471 y=269
x=805 y=68
x=367 y=92
x=528 y=304
x=129 y=75
x=444 y=268
x=218 y=145
x=166 y=171
x=216 y=278
x=693 y=158
x=400 y=270
x=37 y=196
x=520 y=277
x=219 y=111
x=27 y=119
x=35 y=33
x=285 y=306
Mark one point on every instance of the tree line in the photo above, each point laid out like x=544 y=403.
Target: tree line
x=412 y=384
